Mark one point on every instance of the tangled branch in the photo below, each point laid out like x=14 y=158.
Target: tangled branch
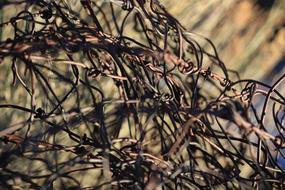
x=116 y=94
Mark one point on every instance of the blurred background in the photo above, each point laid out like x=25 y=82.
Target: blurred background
x=249 y=34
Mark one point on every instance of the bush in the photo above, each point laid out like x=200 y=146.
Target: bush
x=116 y=94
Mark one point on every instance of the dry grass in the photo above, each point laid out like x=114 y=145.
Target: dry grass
x=118 y=94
